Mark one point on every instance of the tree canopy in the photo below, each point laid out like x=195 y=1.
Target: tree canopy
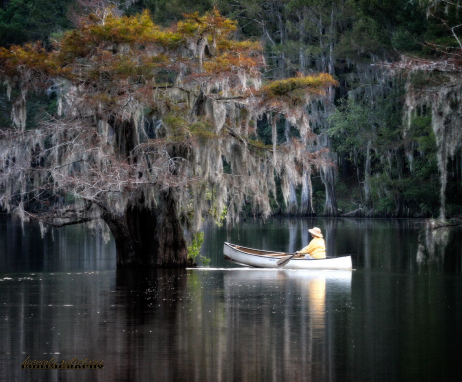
x=146 y=119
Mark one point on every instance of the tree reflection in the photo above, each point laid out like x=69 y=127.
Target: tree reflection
x=439 y=244
x=281 y=323
x=240 y=324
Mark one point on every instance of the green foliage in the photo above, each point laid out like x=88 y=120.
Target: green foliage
x=350 y=125
x=31 y=20
x=5 y=107
x=194 y=249
x=387 y=25
x=403 y=173
x=319 y=198
x=418 y=188
x=264 y=133
x=423 y=80
x=40 y=108
x=454 y=188
x=419 y=27
x=203 y=130
x=445 y=16
x=348 y=193
x=166 y=12
x=365 y=39
x=404 y=40
x=177 y=127
x=217 y=216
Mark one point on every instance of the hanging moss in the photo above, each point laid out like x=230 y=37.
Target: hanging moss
x=147 y=118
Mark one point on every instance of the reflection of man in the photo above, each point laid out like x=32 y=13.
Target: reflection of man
x=317 y=248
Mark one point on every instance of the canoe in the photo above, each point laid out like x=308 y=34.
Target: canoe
x=267 y=259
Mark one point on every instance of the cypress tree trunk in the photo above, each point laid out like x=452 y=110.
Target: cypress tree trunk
x=306 y=206
x=327 y=177
x=367 y=174
x=149 y=237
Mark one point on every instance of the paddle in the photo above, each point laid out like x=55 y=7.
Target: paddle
x=284 y=260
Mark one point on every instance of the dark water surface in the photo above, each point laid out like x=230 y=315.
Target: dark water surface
x=396 y=317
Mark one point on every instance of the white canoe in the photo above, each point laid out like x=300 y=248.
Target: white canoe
x=267 y=259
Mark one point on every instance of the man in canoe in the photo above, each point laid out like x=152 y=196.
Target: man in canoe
x=317 y=248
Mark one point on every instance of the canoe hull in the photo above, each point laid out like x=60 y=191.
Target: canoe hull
x=266 y=259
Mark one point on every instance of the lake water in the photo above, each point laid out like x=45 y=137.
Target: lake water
x=396 y=317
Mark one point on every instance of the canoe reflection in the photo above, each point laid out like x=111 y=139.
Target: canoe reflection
x=341 y=279
x=286 y=321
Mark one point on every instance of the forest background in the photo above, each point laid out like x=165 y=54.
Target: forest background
x=393 y=59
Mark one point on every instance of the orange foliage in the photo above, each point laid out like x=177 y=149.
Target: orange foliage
x=232 y=62
x=290 y=87
x=289 y=93
x=211 y=23
x=29 y=57
x=108 y=52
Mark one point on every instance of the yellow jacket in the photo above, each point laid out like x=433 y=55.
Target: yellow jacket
x=316 y=248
